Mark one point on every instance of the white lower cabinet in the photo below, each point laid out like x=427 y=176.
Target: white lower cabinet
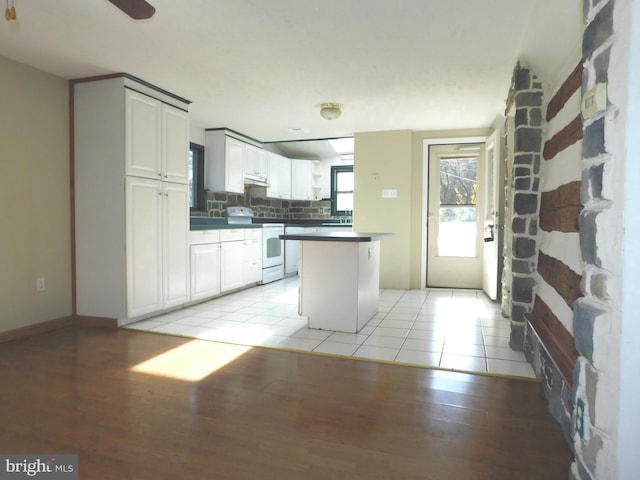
x=205 y=264
x=252 y=257
x=231 y=254
x=224 y=259
x=156 y=245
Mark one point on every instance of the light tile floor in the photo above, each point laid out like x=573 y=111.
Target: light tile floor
x=445 y=328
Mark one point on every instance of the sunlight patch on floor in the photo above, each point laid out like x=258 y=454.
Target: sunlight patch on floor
x=191 y=361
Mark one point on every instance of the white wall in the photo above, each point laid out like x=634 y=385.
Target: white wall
x=35 y=238
x=624 y=144
x=383 y=160
x=563 y=168
x=196 y=134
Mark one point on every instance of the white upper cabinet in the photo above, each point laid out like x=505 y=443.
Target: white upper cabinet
x=143 y=129
x=157 y=139
x=175 y=144
x=224 y=159
x=279 y=176
x=255 y=161
x=306 y=180
x=234 y=161
x=301 y=180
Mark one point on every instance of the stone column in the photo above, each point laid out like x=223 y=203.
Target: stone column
x=600 y=195
x=521 y=245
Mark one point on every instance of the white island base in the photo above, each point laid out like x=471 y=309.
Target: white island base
x=339 y=279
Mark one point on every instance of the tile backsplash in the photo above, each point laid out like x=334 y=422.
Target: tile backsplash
x=217 y=203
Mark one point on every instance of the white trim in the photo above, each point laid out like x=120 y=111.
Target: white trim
x=426 y=143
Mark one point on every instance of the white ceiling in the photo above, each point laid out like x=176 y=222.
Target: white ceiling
x=261 y=67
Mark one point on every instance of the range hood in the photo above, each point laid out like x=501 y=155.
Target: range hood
x=255 y=179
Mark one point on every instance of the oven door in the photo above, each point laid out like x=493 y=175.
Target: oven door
x=272 y=247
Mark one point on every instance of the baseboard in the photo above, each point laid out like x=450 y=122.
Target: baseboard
x=56 y=323
x=100 y=322
x=36 y=328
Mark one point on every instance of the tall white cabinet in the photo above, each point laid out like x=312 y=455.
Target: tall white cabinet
x=131 y=144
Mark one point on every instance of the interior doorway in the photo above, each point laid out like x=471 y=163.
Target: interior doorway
x=455 y=215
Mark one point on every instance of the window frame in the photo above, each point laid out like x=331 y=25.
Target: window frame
x=200 y=197
x=335 y=170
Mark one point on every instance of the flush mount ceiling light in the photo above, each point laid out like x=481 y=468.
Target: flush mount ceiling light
x=330 y=111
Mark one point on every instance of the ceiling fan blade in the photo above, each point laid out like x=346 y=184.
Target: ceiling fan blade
x=136 y=9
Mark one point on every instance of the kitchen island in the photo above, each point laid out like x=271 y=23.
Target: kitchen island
x=339 y=278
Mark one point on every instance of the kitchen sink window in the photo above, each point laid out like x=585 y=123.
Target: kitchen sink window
x=341 y=190
x=197 y=200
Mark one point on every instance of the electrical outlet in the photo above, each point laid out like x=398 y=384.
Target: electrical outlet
x=40 y=284
x=321 y=210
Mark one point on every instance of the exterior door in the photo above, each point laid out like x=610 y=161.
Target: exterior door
x=455 y=216
x=492 y=230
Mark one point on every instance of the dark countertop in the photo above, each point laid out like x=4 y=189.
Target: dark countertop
x=221 y=226
x=217 y=223
x=338 y=236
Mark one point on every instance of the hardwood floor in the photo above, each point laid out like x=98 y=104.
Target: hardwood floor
x=266 y=414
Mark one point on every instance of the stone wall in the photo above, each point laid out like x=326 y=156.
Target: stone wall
x=549 y=342
x=594 y=447
x=217 y=203
x=520 y=259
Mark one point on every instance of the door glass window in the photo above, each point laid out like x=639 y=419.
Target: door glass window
x=458 y=214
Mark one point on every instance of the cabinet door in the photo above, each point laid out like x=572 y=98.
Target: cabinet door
x=205 y=270
x=273 y=166
x=300 y=180
x=279 y=176
x=251 y=159
x=255 y=161
x=143 y=246
x=285 y=171
x=263 y=168
x=231 y=259
x=142 y=135
x=234 y=164
x=175 y=144
x=252 y=265
x=175 y=258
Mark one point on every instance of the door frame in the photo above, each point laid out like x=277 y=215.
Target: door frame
x=426 y=143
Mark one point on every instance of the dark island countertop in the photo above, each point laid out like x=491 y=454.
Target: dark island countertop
x=218 y=223
x=338 y=236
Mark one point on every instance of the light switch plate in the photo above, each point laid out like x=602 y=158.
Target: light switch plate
x=594 y=101
x=389 y=193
